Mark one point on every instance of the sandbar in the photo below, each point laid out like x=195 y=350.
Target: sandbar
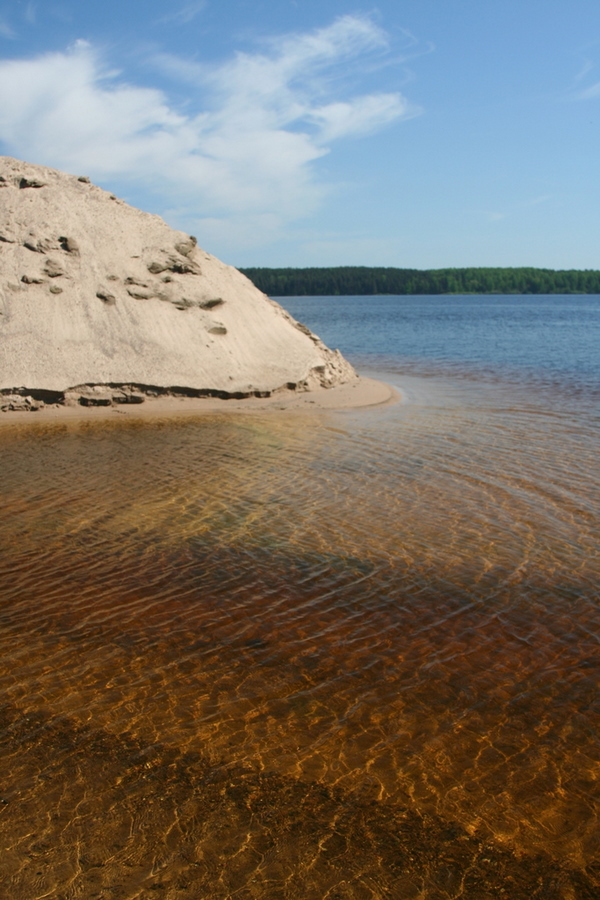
x=360 y=393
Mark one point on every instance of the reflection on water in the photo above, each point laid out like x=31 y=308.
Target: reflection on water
x=345 y=655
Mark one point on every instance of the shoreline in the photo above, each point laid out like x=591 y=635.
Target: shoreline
x=363 y=393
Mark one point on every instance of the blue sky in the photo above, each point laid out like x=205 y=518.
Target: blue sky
x=411 y=133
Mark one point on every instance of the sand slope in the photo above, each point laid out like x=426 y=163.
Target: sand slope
x=93 y=291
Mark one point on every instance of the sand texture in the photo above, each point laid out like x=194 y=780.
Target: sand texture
x=357 y=394
x=94 y=292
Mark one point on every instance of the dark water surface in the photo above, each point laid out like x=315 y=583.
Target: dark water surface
x=338 y=655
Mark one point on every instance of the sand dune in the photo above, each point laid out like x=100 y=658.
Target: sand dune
x=100 y=302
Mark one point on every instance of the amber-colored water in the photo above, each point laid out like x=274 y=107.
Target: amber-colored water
x=338 y=655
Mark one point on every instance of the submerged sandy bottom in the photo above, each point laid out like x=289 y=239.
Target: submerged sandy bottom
x=333 y=654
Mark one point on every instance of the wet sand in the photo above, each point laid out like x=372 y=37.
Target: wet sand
x=364 y=392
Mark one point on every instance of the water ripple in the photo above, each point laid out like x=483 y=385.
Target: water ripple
x=348 y=654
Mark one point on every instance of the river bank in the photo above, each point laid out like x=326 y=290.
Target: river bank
x=362 y=392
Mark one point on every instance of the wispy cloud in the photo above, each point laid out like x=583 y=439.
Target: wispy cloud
x=5 y=30
x=260 y=122
x=186 y=14
x=536 y=201
x=590 y=93
x=360 y=116
x=31 y=12
x=586 y=67
x=578 y=92
x=496 y=216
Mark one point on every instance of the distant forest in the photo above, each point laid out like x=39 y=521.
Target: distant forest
x=349 y=280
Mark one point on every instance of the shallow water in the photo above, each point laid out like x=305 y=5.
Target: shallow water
x=336 y=655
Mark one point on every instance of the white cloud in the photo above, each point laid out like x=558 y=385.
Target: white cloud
x=360 y=116
x=264 y=119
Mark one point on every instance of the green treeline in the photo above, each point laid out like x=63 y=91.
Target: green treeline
x=348 y=280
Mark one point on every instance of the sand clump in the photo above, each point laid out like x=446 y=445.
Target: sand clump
x=103 y=304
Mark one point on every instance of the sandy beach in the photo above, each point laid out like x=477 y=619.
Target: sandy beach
x=361 y=393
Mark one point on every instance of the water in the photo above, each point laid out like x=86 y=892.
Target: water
x=524 y=336
x=342 y=655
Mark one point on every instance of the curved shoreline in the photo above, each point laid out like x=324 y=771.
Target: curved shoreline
x=362 y=393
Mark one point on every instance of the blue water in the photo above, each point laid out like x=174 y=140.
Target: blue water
x=541 y=337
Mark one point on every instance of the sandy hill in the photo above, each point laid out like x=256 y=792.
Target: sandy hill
x=95 y=292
